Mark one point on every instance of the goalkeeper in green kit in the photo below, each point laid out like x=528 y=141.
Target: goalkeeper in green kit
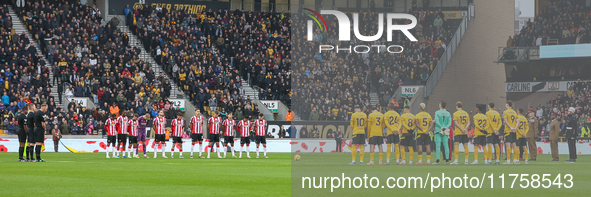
x=442 y=124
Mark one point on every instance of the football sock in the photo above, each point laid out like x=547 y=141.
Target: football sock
x=476 y=153
x=397 y=151
x=218 y=149
x=371 y=156
x=525 y=154
x=241 y=147
x=232 y=149
x=362 y=153
x=200 y=148
x=265 y=150
x=257 y=151
x=248 y=150
x=428 y=158
x=113 y=151
x=38 y=152
x=456 y=151
x=225 y=150
x=163 y=149
x=388 y=152
x=411 y=153
x=381 y=156
x=403 y=154
x=156 y=149
x=466 y=151
x=497 y=152
x=21 y=150
x=516 y=154
x=485 y=151
x=508 y=153
x=192 y=147
x=28 y=152
x=208 y=152
x=420 y=157
x=353 y=154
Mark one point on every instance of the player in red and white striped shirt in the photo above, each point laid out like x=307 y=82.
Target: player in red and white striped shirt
x=214 y=132
x=229 y=125
x=197 y=131
x=160 y=131
x=260 y=134
x=132 y=128
x=177 y=126
x=110 y=127
x=122 y=133
x=244 y=127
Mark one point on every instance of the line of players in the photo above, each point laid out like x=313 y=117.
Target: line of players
x=31 y=123
x=123 y=129
x=400 y=131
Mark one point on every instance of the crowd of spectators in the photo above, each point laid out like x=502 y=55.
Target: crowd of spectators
x=565 y=21
x=577 y=96
x=208 y=54
x=329 y=85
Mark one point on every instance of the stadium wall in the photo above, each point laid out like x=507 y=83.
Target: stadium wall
x=471 y=76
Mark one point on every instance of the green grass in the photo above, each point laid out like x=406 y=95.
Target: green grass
x=334 y=164
x=90 y=174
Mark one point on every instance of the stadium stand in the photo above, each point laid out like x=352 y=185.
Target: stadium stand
x=561 y=22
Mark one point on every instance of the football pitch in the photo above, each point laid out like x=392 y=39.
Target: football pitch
x=90 y=174
x=335 y=164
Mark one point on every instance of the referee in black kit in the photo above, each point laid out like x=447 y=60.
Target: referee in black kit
x=571 y=134
x=40 y=131
x=22 y=133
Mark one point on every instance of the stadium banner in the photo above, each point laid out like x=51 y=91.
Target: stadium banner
x=273 y=106
x=538 y=86
x=80 y=100
x=192 y=7
x=329 y=145
x=409 y=91
x=565 y=51
x=180 y=103
x=454 y=14
x=100 y=145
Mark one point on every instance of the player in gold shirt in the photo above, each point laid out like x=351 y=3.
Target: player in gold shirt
x=424 y=124
x=510 y=119
x=406 y=140
x=358 y=124
x=376 y=126
x=461 y=124
x=391 y=120
x=481 y=125
x=493 y=138
x=522 y=129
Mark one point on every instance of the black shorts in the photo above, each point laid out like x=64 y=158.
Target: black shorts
x=22 y=136
x=229 y=139
x=160 y=138
x=423 y=139
x=358 y=139
x=480 y=140
x=214 y=137
x=121 y=138
x=132 y=139
x=31 y=136
x=39 y=135
x=197 y=137
x=511 y=138
x=521 y=142
x=245 y=140
x=177 y=139
x=493 y=139
x=261 y=139
x=111 y=139
x=407 y=139
x=376 y=140
x=461 y=139
x=392 y=139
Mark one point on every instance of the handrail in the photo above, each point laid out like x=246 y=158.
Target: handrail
x=449 y=51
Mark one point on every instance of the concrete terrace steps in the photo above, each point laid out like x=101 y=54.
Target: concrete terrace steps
x=144 y=55
x=19 y=27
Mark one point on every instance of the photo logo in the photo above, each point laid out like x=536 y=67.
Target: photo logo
x=345 y=31
x=345 y=25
